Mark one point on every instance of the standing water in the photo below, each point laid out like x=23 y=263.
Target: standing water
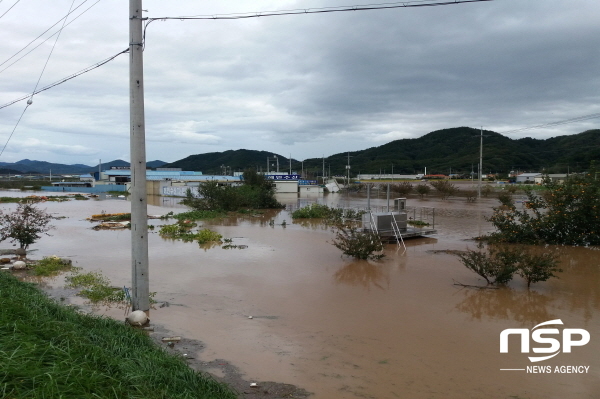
x=343 y=328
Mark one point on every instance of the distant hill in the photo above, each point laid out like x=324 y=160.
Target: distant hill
x=27 y=166
x=441 y=151
x=234 y=160
x=4 y=171
x=457 y=150
x=121 y=163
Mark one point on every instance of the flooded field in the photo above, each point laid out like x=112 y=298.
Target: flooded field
x=341 y=328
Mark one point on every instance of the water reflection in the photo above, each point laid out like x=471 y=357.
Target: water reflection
x=506 y=304
x=363 y=273
x=581 y=275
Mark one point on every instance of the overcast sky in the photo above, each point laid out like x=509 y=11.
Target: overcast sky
x=305 y=85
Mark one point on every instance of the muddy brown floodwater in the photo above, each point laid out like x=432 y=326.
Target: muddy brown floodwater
x=341 y=328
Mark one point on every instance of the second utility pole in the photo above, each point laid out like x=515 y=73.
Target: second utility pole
x=140 y=281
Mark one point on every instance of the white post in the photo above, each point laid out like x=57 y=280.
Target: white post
x=139 y=215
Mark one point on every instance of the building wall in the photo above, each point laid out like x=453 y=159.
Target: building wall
x=283 y=186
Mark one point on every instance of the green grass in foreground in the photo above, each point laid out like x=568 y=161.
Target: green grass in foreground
x=52 y=351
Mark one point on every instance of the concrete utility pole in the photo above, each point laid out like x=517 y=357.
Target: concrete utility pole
x=348 y=169
x=140 y=282
x=480 y=162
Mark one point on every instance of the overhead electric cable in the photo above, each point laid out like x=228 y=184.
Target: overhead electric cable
x=15 y=128
x=30 y=101
x=51 y=51
x=63 y=80
x=322 y=10
x=48 y=38
x=557 y=123
x=6 y=12
x=415 y=3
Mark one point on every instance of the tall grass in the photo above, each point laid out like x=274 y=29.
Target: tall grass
x=51 y=351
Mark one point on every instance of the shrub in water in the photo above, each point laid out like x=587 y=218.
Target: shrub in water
x=358 y=244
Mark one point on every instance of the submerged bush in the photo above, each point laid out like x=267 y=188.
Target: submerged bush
x=332 y=215
x=497 y=265
x=445 y=188
x=179 y=231
x=358 y=244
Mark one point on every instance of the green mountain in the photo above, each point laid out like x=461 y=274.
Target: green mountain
x=234 y=160
x=441 y=151
x=26 y=166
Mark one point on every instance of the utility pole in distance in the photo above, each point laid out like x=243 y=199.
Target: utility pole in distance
x=140 y=281
x=480 y=162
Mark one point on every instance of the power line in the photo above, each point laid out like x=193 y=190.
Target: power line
x=30 y=101
x=63 y=80
x=11 y=7
x=322 y=10
x=557 y=123
x=51 y=51
x=48 y=38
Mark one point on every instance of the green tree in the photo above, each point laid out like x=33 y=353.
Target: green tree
x=498 y=264
x=256 y=192
x=495 y=265
x=403 y=188
x=422 y=190
x=564 y=213
x=25 y=225
x=445 y=188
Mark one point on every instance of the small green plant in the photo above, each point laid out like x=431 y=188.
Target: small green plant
x=198 y=215
x=205 y=235
x=314 y=211
x=358 y=244
x=418 y=223
x=172 y=231
x=50 y=266
x=95 y=287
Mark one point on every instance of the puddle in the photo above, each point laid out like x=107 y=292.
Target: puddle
x=342 y=328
